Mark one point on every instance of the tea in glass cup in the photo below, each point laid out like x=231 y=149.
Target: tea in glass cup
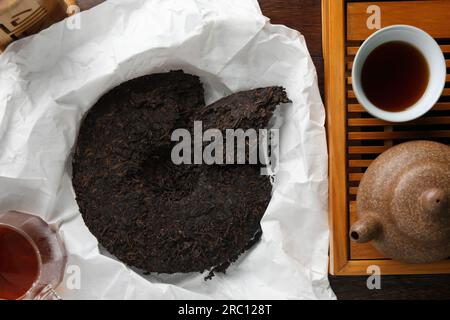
x=32 y=258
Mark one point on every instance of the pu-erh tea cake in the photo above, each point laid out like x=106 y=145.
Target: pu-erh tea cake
x=149 y=212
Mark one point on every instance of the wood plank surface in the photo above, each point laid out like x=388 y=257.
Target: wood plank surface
x=303 y=15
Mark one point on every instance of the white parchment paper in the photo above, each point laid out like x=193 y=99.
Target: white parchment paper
x=50 y=80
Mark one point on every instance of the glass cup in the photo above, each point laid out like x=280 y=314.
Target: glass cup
x=32 y=258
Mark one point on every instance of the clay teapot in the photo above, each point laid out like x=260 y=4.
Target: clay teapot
x=403 y=203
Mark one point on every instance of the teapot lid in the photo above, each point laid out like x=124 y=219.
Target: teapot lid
x=420 y=201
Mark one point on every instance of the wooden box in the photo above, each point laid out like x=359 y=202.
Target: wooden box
x=356 y=138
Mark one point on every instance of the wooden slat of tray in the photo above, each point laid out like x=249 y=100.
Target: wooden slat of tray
x=391 y=267
x=431 y=16
x=334 y=53
x=352 y=131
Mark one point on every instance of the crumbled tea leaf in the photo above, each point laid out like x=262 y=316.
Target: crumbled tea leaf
x=244 y=110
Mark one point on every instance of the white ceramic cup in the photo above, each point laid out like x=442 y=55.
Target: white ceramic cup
x=429 y=49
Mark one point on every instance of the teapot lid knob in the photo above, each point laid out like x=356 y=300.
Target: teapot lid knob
x=434 y=201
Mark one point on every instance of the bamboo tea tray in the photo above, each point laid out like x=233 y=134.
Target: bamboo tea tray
x=356 y=138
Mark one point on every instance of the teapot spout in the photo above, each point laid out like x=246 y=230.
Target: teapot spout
x=366 y=229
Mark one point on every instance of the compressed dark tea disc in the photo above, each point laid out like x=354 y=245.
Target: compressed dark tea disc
x=147 y=211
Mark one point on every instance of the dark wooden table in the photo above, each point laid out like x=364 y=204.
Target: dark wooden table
x=305 y=16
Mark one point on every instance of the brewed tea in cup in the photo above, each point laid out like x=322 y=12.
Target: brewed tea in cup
x=399 y=73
